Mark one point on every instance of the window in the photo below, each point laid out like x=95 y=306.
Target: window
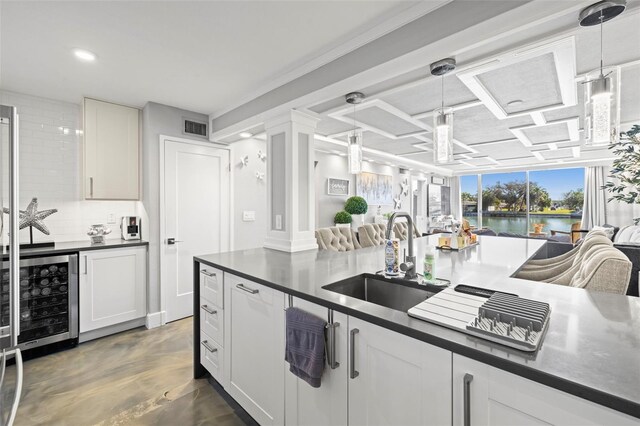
x=554 y=200
x=469 y=194
x=504 y=202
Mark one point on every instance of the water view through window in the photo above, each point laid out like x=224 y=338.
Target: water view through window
x=554 y=202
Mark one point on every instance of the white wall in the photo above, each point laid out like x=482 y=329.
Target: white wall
x=51 y=170
x=335 y=166
x=249 y=194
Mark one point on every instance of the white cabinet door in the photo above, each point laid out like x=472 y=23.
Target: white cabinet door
x=396 y=380
x=495 y=397
x=326 y=405
x=254 y=315
x=111 y=151
x=113 y=285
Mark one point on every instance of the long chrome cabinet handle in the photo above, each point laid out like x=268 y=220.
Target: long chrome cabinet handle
x=247 y=289
x=14 y=241
x=207 y=273
x=91 y=187
x=209 y=348
x=208 y=310
x=331 y=343
x=466 y=383
x=353 y=373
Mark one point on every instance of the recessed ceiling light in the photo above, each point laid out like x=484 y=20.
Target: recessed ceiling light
x=515 y=102
x=245 y=135
x=84 y=55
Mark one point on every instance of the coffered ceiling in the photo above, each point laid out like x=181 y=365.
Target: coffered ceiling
x=516 y=109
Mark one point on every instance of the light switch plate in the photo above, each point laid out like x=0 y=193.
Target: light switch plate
x=111 y=219
x=248 y=216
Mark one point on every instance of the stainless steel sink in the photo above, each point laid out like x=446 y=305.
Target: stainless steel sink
x=395 y=294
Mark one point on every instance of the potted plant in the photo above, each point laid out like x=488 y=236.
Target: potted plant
x=625 y=185
x=357 y=207
x=342 y=219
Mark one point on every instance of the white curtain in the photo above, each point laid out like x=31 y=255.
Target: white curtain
x=594 y=211
x=456 y=197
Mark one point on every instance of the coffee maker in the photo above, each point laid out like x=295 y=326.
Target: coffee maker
x=131 y=228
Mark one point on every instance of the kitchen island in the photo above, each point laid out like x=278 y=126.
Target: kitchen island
x=591 y=350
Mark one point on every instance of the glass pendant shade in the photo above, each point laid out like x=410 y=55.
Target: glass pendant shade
x=602 y=107
x=354 y=151
x=443 y=135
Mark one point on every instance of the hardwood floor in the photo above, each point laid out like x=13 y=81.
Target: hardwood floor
x=139 y=377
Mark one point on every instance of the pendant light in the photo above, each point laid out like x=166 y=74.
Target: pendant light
x=443 y=117
x=602 y=86
x=354 y=147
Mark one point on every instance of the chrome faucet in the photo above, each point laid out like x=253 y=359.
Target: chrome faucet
x=409 y=264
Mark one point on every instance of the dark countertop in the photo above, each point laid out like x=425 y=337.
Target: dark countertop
x=77 y=246
x=591 y=349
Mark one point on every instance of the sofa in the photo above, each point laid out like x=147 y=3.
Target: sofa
x=631 y=251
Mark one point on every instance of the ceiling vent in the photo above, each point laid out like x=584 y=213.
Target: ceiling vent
x=195 y=128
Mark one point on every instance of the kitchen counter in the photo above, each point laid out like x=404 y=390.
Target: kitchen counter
x=591 y=349
x=77 y=246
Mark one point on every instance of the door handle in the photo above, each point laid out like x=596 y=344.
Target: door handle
x=172 y=241
x=85 y=264
x=353 y=373
x=247 y=289
x=466 y=383
x=331 y=345
x=91 y=187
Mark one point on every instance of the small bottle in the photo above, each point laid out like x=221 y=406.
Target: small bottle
x=429 y=274
x=391 y=256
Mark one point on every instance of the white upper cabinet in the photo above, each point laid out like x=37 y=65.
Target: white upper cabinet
x=396 y=380
x=111 y=151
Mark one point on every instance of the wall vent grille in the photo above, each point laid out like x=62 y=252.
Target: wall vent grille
x=195 y=128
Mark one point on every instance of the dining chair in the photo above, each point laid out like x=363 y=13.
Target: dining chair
x=372 y=234
x=337 y=239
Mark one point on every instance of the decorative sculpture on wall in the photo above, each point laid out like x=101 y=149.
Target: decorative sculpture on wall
x=32 y=218
x=262 y=155
x=397 y=203
x=404 y=187
x=244 y=161
x=260 y=175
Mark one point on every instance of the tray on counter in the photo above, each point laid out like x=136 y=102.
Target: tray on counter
x=447 y=248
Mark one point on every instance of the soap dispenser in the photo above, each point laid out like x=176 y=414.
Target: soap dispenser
x=429 y=274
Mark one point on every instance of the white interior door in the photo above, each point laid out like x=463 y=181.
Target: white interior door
x=196 y=217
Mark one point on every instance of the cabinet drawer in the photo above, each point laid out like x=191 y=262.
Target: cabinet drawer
x=255 y=292
x=211 y=356
x=212 y=321
x=211 y=287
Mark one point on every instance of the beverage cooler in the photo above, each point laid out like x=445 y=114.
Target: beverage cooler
x=48 y=300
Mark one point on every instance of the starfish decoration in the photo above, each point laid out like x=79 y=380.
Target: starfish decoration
x=397 y=203
x=32 y=217
x=404 y=187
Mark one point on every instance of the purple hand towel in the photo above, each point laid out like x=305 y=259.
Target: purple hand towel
x=305 y=345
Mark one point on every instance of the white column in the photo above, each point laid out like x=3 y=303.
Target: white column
x=290 y=182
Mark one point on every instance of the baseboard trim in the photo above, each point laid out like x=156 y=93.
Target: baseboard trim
x=112 y=329
x=155 y=319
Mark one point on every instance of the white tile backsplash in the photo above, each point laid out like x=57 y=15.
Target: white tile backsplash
x=51 y=170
